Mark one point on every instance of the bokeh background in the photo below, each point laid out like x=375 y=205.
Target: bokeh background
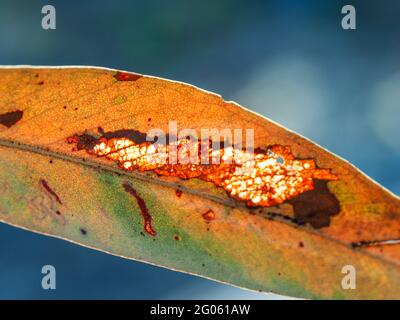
x=288 y=60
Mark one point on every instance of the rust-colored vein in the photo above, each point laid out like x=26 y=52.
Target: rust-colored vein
x=148 y=228
x=50 y=191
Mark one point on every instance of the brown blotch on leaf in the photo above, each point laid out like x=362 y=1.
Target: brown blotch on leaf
x=87 y=142
x=316 y=206
x=309 y=194
x=83 y=231
x=177 y=238
x=178 y=193
x=126 y=76
x=148 y=228
x=209 y=215
x=10 y=118
x=134 y=135
x=83 y=141
x=49 y=190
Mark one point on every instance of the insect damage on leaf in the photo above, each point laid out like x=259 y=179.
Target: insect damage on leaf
x=254 y=239
x=316 y=206
x=179 y=193
x=143 y=209
x=126 y=76
x=265 y=178
x=46 y=186
x=10 y=118
x=209 y=215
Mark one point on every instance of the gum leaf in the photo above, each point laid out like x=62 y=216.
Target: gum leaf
x=76 y=163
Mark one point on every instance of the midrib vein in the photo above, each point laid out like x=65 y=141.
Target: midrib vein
x=136 y=175
x=99 y=166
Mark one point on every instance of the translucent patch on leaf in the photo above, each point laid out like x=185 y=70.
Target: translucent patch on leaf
x=260 y=179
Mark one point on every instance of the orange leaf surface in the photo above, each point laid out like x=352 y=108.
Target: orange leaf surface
x=78 y=162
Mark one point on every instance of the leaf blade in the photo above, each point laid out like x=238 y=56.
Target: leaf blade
x=121 y=104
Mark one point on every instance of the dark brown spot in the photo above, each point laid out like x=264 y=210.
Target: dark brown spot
x=177 y=238
x=143 y=209
x=301 y=244
x=10 y=118
x=49 y=190
x=83 y=141
x=134 y=135
x=179 y=193
x=125 y=76
x=209 y=215
x=40 y=83
x=83 y=231
x=87 y=142
x=316 y=206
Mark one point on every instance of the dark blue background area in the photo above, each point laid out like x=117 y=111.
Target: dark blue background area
x=288 y=60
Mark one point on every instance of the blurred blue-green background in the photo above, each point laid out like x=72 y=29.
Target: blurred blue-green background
x=288 y=60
